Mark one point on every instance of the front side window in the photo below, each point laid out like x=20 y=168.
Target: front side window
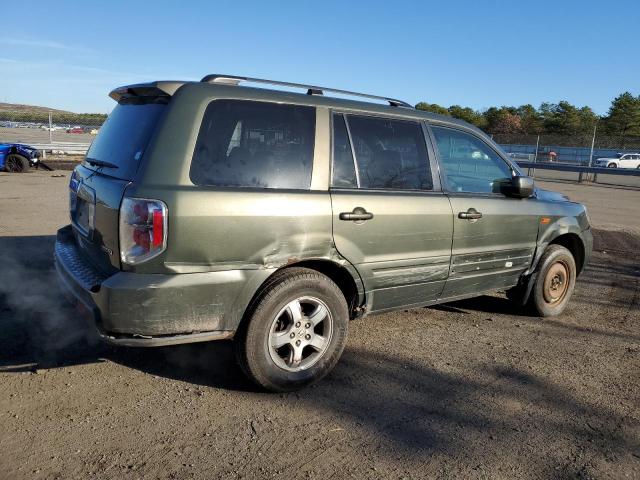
x=469 y=164
x=254 y=144
x=390 y=154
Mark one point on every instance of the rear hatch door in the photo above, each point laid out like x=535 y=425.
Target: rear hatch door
x=98 y=185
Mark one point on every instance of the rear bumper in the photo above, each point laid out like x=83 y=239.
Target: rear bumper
x=155 y=309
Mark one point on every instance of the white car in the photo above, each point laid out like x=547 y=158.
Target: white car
x=622 y=160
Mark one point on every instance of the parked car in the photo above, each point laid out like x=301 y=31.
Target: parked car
x=621 y=160
x=207 y=210
x=17 y=158
x=75 y=130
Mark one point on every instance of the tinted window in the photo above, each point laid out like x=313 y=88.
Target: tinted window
x=390 y=154
x=469 y=164
x=124 y=137
x=254 y=144
x=344 y=172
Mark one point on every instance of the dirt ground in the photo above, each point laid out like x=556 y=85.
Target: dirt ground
x=471 y=389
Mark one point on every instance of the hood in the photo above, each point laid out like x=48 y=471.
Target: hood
x=24 y=150
x=551 y=196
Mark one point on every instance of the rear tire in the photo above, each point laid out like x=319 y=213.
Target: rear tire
x=294 y=332
x=555 y=282
x=15 y=163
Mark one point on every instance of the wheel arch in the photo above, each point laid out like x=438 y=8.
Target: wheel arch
x=345 y=277
x=567 y=238
x=573 y=243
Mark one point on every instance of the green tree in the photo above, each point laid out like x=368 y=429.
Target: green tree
x=468 y=115
x=502 y=120
x=563 y=118
x=530 y=119
x=433 y=108
x=623 y=118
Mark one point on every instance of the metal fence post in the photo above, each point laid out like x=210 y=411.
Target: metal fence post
x=535 y=157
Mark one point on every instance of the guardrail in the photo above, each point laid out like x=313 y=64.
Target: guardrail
x=69 y=148
x=565 y=167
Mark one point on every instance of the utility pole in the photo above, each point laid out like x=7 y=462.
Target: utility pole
x=593 y=142
x=50 y=127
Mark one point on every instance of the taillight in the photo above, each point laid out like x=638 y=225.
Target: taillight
x=143 y=229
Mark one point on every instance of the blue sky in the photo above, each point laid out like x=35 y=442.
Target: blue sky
x=68 y=55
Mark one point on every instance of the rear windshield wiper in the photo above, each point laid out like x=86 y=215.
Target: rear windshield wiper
x=100 y=163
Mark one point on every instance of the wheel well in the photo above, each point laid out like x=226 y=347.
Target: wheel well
x=338 y=274
x=573 y=243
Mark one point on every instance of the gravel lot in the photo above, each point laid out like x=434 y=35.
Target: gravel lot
x=471 y=389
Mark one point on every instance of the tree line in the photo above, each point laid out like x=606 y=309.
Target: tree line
x=57 y=117
x=561 y=119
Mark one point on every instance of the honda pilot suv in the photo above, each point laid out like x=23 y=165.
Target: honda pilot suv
x=214 y=210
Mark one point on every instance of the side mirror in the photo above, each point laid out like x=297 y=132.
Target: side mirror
x=521 y=187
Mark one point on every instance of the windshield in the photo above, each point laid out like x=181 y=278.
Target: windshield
x=122 y=139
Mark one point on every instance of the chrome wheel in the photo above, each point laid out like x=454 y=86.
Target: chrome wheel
x=556 y=282
x=300 y=334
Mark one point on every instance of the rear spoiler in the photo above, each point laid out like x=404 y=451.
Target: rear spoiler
x=163 y=88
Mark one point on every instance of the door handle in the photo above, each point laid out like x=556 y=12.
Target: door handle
x=471 y=214
x=359 y=214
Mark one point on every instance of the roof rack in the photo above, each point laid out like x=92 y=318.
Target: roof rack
x=311 y=89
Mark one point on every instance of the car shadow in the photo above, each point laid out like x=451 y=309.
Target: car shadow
x=486 y=304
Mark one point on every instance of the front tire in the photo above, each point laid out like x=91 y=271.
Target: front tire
x=612 y=165
x=15 y=163
x=555 y=283
x=294 y=332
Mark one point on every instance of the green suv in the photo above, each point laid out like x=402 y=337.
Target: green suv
x=211 y=210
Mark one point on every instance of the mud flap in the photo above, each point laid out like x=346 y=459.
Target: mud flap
x=524 y=289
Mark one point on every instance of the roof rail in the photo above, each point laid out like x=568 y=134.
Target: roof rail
x=311 y=89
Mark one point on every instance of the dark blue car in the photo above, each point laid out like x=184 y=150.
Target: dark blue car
x=16 y=157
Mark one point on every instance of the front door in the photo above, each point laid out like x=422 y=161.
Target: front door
x=389 y=219
x=494 y=236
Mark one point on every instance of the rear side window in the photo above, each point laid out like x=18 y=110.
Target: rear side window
x=124 y=136
x=390 y=154
x=254 y=144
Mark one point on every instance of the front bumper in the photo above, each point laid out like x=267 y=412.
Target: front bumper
x=155 y=309
x=587 y=241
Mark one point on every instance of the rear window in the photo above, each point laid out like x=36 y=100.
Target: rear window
x=255 y=144
x=124 y=136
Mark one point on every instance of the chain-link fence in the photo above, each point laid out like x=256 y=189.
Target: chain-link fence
x=567 y=149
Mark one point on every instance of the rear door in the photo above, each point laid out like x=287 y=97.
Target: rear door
x=630 y=161
x=494 y=236
x=96 y=189
x=390 y=218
